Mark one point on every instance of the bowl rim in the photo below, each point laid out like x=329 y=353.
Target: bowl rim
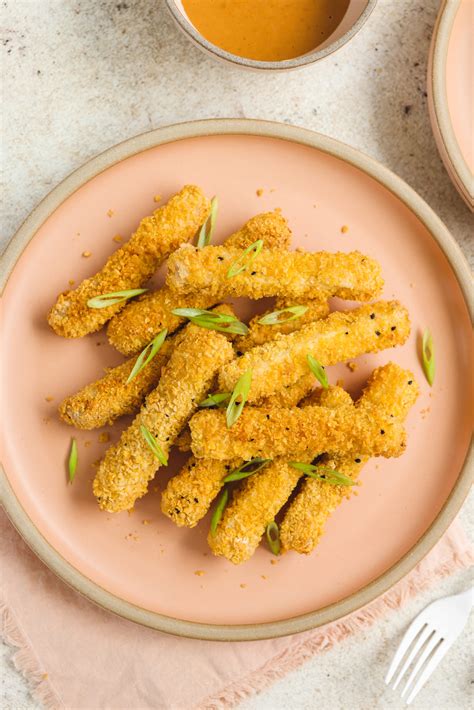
x=243 y=632
x=285 y=64
x=449 y=149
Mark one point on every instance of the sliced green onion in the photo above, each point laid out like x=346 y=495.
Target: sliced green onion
x=247 y=469
x=318 y=371
x=323 y=473
x=73 y=458
x=273 y=537
x=219 y=399
x=219 y=510
x=238 y=398
x=153 y=445
x=428 y=357
x=207 y=229
x=114 y=297
x=275 y=319
x=225 y=323
x=240 y=264
x=147 y=354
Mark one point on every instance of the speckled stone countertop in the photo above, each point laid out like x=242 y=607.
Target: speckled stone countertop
x=81 y=75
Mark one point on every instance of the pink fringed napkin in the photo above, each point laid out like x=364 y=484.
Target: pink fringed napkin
x=77 y=656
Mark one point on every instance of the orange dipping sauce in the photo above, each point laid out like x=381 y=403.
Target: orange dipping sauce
x=266 y=30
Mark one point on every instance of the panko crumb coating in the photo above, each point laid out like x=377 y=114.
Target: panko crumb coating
x=123 y=475
x=394 y=390
x=273 y=272
x=132 y=264
x=132 y=328
x=275 y=431
x=189 y=495
x=343 y=335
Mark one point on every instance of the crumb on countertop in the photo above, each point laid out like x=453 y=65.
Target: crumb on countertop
x=86 y=254
x=71 y=282
x=87 y=443
x=263 y=576
x=110 y=213
x=199 y=572
x=157 y=198
x=273 y=562
x=118 y=238
x=104 y=436
x=130 y=511
x=352 y=366
x=48 y=398
x=243 y=586
x=146 y=522
x=155 y=489
x=259 y=192
x=344 y=229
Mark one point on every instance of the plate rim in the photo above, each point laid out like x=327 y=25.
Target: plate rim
x=439 y=232
x=450 y=152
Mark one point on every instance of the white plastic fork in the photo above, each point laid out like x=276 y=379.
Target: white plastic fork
x=428 y=639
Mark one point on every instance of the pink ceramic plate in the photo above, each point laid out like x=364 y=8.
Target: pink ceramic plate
x=451 y=92
x=140 y=565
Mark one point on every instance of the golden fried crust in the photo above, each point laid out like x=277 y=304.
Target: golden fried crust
x=189 y=495
x=275 y=273
x=128 y=466
x=259 y=334
x=253 y=506
x=131 y=265
x=101 y=402
x=339 y=337
x=272 y=432
x=139 y=321
x=390 y=388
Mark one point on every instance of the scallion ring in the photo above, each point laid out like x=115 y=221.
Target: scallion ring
x=207 y=229
x=273 y=537
x=147 y=354
x=275 y=318
x=323 y=473
x=219 y=510
x=241 y=264
x=238 y=398
x=219 y=399
x=114 y=297
x=73 y=459
x=153 y=445
x=428 y=357
x=246 y=469
x=318 y=371
x=223 y=322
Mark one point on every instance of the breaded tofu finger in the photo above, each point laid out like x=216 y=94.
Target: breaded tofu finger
x=261 y=496
x=275 y=431
x=272 y=272
x=132 y=328
x=337 y=338
x=102 y=402
x=259 y=333
x=132 y=265
x=189 y=495
x=123 y=475
x=392 y=389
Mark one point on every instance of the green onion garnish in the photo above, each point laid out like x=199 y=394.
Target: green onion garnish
x=428 y=357
x=212 y=321
x=219 y=510
x=323 y=473
x=238 y=398
x=273 y=537
x=111 y=299
x=219 y=399
x=275 y=317
x=240 y=264
x=147 y=354
x=318 y=371
x=247 y=469
x=72 y=462
x=153 y=445
x=207 y=229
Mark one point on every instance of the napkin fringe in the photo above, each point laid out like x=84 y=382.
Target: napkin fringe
x=294 y=656
x=26 y=662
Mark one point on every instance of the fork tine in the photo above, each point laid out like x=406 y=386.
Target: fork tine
x=431 y=666
x=410 y=634
x=420 y=642
x=430 y=646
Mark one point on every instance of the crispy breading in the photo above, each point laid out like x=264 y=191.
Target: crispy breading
x=262 y=495
x=132 y=264
x=129 y=465
x=103 y=401
x=139 y=321
x=189 y=495
x=259 y=334
x=277 y=431
x=274 y=272
x=392 y=389
x=339 y=337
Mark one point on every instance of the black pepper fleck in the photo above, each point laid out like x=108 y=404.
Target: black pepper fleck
x=357 y=460
x=394 y=327
x=377 y=332
x=372 y=315
x=382 y=431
